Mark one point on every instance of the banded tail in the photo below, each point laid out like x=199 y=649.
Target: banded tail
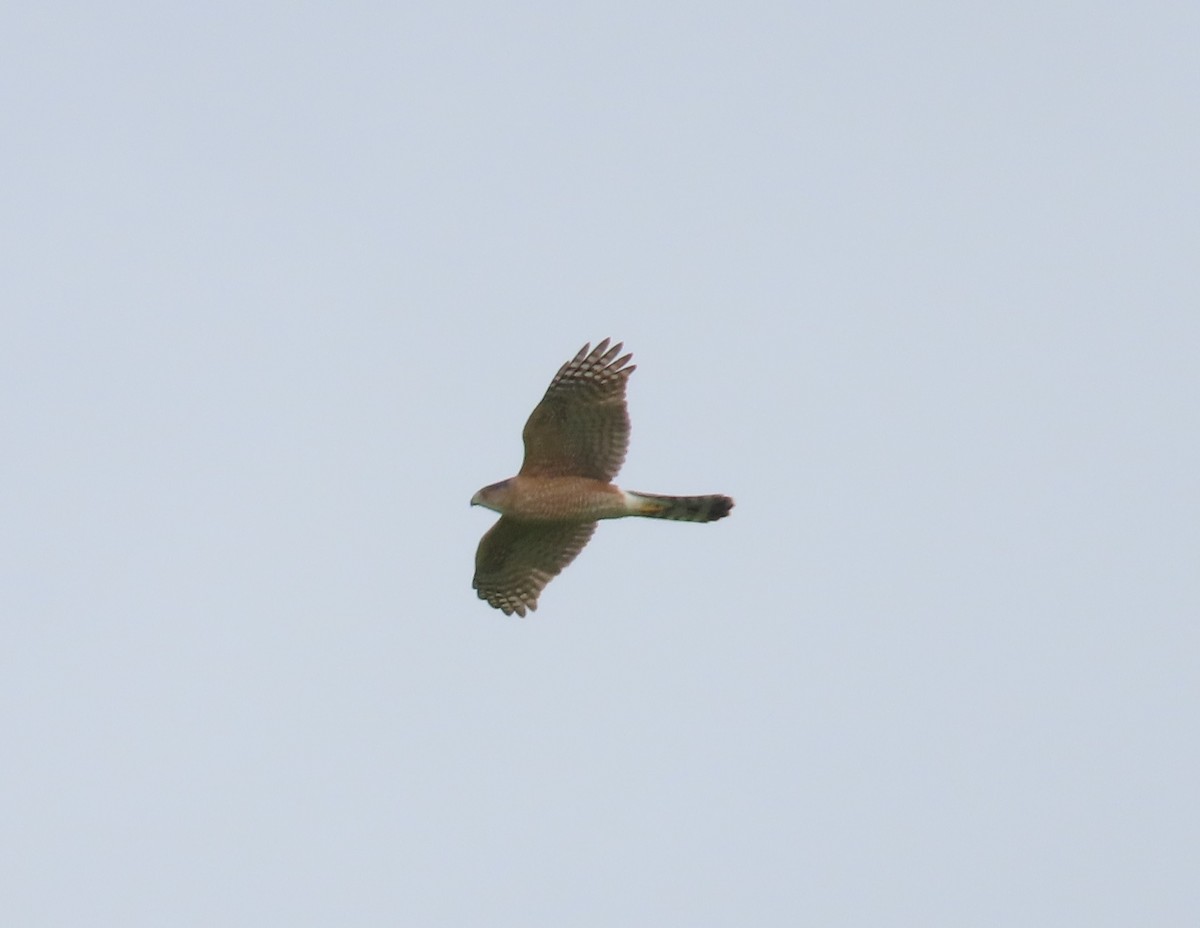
x=680 y=508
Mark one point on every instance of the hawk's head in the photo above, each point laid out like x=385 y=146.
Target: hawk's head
x=492 y=496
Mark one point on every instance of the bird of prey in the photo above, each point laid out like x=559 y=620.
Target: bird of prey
x=575 y=442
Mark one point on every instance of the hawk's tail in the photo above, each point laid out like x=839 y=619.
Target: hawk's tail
x=681 y=508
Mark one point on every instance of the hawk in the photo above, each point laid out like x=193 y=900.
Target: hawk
x=575 y=442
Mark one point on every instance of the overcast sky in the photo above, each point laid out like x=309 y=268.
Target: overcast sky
x=917 y=284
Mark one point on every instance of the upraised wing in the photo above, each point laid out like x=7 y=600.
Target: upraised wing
x=581 y=426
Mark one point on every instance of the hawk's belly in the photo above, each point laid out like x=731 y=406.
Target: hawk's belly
x=563 y=499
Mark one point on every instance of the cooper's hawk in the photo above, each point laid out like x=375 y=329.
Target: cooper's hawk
x=575 y=442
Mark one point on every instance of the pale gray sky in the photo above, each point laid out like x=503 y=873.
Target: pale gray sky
x=916 y=284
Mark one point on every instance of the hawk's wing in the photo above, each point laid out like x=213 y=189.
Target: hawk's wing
x=516 y=560
x=581 y=426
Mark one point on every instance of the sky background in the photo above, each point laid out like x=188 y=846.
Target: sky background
x=917 y=284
